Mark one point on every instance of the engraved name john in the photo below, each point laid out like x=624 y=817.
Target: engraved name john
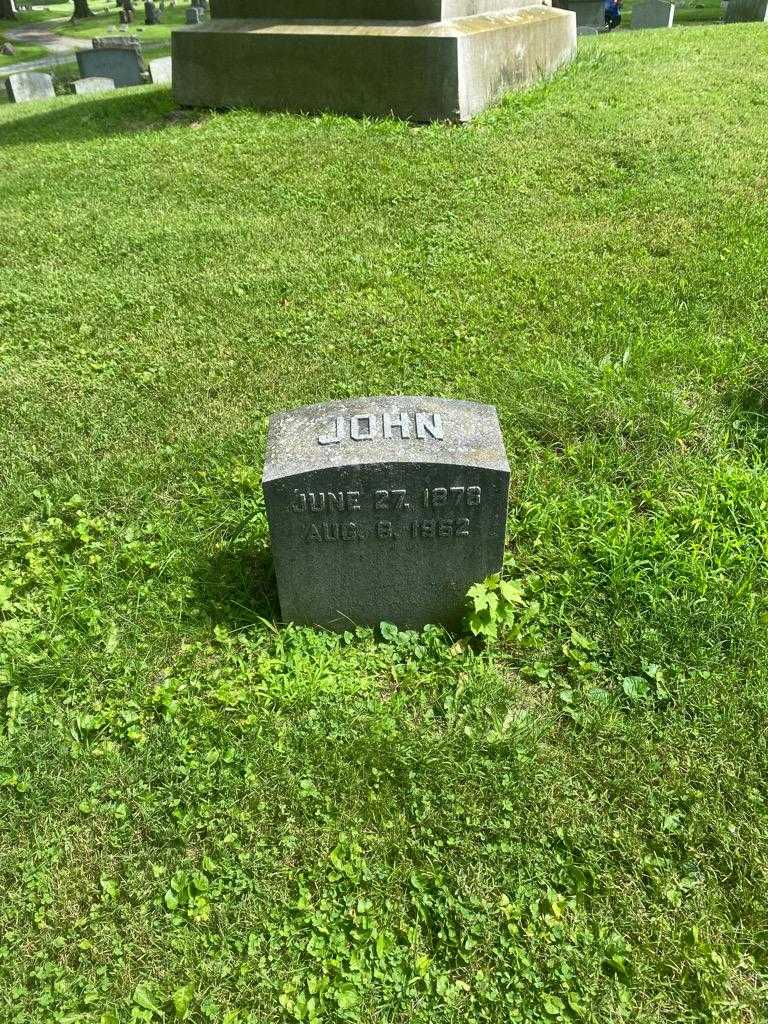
x=395 y=425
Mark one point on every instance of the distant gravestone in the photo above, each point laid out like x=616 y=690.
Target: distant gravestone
x=151 y=13
x=653 y=14
x=746 y=10
x=7 y=49
x=384 y=509
x=29 y=85
x=94 y=84
x=118 y=59
x=161 y=71
x=192 y=16
x=589 y=13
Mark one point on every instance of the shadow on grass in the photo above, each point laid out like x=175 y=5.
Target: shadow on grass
x=123 y=112
x=237 y=586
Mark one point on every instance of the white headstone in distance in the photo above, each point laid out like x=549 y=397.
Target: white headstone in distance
x=29 y=85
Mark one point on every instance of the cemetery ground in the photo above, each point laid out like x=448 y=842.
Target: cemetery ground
x=106 y=23
x=210 y=817
x=23 y=52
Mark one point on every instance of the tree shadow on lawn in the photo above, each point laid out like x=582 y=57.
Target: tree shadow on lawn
x=237 y=587
x=123 y=112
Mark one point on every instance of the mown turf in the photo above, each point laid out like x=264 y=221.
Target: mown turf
x=209 y=817
x=106 y=21
x=21 y=52
x=687 y=12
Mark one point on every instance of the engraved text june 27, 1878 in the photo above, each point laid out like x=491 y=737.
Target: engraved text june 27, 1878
x=445 y=503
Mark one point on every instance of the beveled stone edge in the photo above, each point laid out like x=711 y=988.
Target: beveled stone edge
x=499 y=462
x=454 y=28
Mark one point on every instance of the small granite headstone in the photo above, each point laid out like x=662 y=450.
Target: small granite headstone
x=29 y=85
x=93 y=84
x=653 y=14
x=384 y=509
x=161 y=71
x=151 y=14
x=7 y=49
x=192 y=16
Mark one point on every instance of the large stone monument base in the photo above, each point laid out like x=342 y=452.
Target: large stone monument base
x=419 y=70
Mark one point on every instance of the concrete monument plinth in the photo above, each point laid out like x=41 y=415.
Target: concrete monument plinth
x=422 y=60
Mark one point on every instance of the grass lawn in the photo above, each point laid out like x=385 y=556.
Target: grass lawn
x=104 y=23
x=687 y=12
x=23 y=52
x=209 y=818
x=52 y=13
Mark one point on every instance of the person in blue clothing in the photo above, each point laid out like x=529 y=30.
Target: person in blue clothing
x=612 y=13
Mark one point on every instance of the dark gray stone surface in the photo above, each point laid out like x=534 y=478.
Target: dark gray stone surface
x=653 y=14
x=124 y=66
x=359 y=10
x=589 y=13
x=746 y=10
x=384 y=509
x=29 y=85
x=193 y=16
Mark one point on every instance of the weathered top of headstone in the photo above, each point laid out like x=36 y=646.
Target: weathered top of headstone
x=117 y=43
x=192 y=16
x=29 y=85
x=384 y=509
